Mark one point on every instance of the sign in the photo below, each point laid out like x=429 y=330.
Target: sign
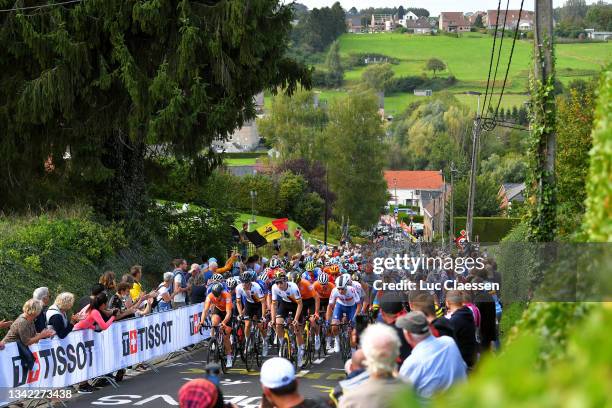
x=86 y=354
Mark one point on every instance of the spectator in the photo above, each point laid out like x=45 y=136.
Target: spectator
x=355 y=375
x=244 y=240
x=462 y=320
x=380 y=345
x=390 y=309
x=41 y=294
x=122 y=302
x=485 y=302
x=164 y=298
x=280 y=386
x=23 y=328
x=108 y=281
x=57 y=317
x=136 y=291
x=181 y=277
x=94 y=319
x=201 y=393
x=435 y=362
x=424 y=302
x=198 y=289
x=85 y=301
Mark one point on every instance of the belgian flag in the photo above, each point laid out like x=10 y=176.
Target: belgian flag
x=267 y=233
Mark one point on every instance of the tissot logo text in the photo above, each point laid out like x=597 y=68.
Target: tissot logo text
x=146 y=338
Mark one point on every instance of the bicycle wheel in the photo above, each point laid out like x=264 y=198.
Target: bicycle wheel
x=211 y=354
x=345 y=346
x=252 y=359
x=309 y=350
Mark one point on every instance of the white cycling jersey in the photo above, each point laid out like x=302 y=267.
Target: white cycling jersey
x=349 y=298
x=254 y=295
x=358 y=289
x=291 y=295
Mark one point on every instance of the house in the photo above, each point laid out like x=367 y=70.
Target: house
x=526 y=23
x=409 y=187
x=433 y=214
x=409 y=16
x=453 y=22
x=247 y=137
x=598 y=35
x=354 y=25
x=419 y=26
x=382 y=22
x=510 y=193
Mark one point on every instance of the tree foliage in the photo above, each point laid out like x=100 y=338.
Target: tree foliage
x=434 y=64
x=356 y=158
x=486 y=203
x=88 y=88
x=320 y=27
x=376 y=76
x=335 y=72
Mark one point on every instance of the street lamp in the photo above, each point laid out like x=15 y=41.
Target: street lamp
x=253 y=197
x=477 y=94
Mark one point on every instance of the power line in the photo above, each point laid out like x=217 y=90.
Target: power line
x=501 y=45
x=39 y=7
x=492 y=56
x=516 y=31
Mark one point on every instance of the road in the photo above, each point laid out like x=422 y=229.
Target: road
x=150 y=389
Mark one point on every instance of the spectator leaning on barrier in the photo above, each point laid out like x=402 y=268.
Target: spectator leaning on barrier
x=380 y=345
x=57 y=315
x=435 y=362
x=122 y=302
x=41 y=294
x=280 y=386
x=23 y=328
x=94 y=319
x=198 y=289
x=108 y=281
x=136 y=273
x=164 y=298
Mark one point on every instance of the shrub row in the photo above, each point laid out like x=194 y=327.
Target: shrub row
x=488 y=229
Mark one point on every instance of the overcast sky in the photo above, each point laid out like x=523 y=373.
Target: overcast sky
x=434 y=6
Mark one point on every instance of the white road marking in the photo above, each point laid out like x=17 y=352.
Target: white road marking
x=302 y=373
x=319 y=360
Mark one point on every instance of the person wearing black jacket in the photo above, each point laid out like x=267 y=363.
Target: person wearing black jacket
x=41 y=294
x=391 y=308
x=57 y=315
x=488 y=320
x=424 y=302
x=462 y=321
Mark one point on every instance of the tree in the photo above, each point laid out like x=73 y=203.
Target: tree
x=419 y=12
x=294 y=126
x=314 y=173
x=486 y=203
x=599 y=17
x=377 y=76
x=353 y=11
x=478 y=23
x=401 y=12
x=291 y=189
x=319 y=28
x=434 y=64
x=309 y=210
x=575 y=114
x=87 y=88
x=335 y=72
x=574 y=12
x=356 y=158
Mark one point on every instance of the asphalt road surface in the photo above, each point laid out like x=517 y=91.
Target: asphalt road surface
x=151 y=389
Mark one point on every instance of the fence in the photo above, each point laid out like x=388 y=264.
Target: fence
x=86 y=354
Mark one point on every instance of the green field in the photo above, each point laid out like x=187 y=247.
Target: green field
x=467 y=58
x=241 y=162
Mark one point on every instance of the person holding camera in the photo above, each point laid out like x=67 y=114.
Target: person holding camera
x=94 y=319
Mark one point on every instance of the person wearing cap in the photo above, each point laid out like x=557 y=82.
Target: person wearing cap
x=380 y=345
x=201 y=393
x=280 y=386
x=435 y=363
x=391 y=308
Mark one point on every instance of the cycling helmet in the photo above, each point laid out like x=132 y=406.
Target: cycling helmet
x=327 y=263
x=294 y=277
x=280 y=277
x=353 y=267
x=310 y=266
x=323 y=278
x=355 y=277
x=231 y=283
x=319 y=262
x=343 y=271
x=342 y=281
x=334 y=269
x=263 y=276
x=216 y=290
x=280 y=274
x=253 y=274
x=246 y=277
x=274 y=263
x=217 y=277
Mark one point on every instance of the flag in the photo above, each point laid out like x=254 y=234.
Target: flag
x=262 y=235
x=280 y=223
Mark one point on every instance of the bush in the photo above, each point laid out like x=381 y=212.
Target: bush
x=358 y=59
x=488 y=229
x=410 y=83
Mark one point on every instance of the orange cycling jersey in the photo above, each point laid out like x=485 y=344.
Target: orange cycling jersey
x=306 y=289
x=323 y=290
x=220 y=302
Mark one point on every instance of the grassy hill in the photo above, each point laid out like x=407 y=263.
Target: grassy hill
x=467 y=58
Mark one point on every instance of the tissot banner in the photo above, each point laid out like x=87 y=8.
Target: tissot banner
x=86 y=354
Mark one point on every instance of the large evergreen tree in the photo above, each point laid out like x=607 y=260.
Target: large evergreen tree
x=335 y=72
x=87 y=89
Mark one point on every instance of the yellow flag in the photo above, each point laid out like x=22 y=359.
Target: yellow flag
x=269 y=232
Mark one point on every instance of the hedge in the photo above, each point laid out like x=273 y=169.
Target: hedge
x=488 y=229
x=244 y=155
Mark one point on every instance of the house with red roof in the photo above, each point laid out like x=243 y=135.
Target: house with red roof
x=408 y=187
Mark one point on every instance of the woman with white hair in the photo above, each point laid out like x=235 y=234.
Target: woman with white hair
x=57 y=315
x=380 y=345
x=41 y=294
x=164 y=297
x=23 y=328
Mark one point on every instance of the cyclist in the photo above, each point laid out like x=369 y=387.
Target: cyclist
x=311 y=272
x=286 y=299
x=342 y=300
x=311 y=301
x=363 y=290
x=220 y=300
x=253 y=296
x=323 y=287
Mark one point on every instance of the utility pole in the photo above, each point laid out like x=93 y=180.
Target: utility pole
x=326 y=203
x=543 y=224
x=443 y=206
x=451 y=234
x=473 y=172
